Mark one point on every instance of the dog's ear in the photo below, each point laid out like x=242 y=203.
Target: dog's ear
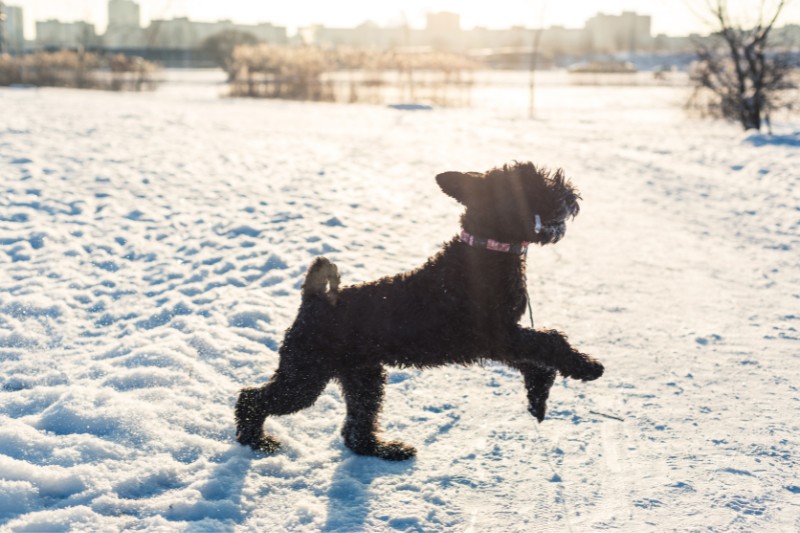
x=463 y=186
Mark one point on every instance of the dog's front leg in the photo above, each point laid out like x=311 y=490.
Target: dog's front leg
x=538 y=381
x=363 y=393
x=550 y=348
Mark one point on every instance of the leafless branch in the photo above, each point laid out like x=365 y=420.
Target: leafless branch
x=747 y=79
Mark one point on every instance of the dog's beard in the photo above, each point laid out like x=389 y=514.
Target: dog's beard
x=552 y=232
x=554 y=229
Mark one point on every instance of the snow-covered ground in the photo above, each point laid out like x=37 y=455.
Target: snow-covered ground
x=151 y=251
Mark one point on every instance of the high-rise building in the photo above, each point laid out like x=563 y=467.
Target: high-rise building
x=123 y=13
x=628 y=32
x=13 y=35
x=56 y=34
x=124 y=26
x=183 y=34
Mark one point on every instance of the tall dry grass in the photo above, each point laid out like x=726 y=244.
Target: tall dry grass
x=80 y=70
x=350 y=75
x=270 y=71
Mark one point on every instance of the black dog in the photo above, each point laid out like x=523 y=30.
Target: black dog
x=461 y=307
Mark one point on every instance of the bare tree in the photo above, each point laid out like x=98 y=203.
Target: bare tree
x=746 y=76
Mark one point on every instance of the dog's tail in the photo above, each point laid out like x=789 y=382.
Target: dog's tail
x=322 y=280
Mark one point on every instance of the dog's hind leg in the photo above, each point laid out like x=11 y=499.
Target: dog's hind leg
x=363 y=393
x=538 y=380
x=289 y=391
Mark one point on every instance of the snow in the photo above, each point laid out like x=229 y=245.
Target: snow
x=152 y=248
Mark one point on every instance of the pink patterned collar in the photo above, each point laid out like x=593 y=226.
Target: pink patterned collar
x=495 y=246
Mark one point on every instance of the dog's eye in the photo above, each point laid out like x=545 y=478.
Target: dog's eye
x=561 y=215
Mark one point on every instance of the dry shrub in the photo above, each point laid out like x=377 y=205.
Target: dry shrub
x=9 y=71
x=81 y=70
x=269 y=71
x=131 y=73
x=352 y=75
x=439 y=78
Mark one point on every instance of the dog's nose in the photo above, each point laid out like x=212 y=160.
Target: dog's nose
x=555 y=232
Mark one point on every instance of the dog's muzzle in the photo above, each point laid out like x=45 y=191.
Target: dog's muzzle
x=549 y=232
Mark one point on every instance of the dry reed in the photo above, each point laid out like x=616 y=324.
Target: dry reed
x=350 y=75
x=81 y=70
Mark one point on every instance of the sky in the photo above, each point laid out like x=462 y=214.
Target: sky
x=672 y=17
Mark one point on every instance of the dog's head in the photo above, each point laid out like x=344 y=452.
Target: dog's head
x=515 y=203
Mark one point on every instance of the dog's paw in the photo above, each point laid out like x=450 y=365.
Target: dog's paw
x=395 y=451
x=258 y=441
x=584 y=368
x=267 y=444
x=593 y=370
x=388 y=450
x=538 y=407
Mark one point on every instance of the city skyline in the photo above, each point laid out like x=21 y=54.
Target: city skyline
x=668 y=17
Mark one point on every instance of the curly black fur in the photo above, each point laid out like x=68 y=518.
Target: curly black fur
x=462 y=306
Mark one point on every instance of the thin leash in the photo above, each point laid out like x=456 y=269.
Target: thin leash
x=497 y=246
x=528 y=298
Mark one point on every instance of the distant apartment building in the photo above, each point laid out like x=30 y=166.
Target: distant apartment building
x=52 y=34
x=513 y=37
x=184 y=34
x=442 y=31
x=628 y=32
x=676 y=45
x=124 y=26
x=13 y=35
x=512 y=48
x=123 y=13
x=366 y=35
